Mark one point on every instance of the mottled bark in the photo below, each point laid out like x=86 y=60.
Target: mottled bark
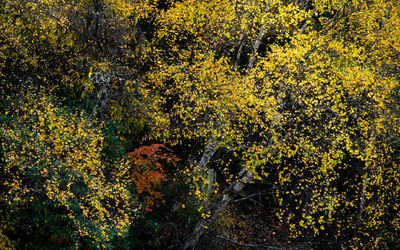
x=257 y=44
x=208 y=153
x=215 y=208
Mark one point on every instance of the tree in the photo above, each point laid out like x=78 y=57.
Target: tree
x=54 y=179
x=314 y=95
x=148 y=172
x=86 y=52
x=298 y=97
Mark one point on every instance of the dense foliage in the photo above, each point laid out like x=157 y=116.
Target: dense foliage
x=209 y=124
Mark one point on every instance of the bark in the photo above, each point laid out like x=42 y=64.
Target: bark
x=228 y=194
x=303 y=28
x=222 y=201
x=199 y=167
x=215 y=208
x=245 y=176
x=239 y=53
x=257 y=44
x=208 y=153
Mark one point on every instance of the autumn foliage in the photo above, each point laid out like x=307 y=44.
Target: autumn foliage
x=53 y=166
x=184 y=123
x=148 y=171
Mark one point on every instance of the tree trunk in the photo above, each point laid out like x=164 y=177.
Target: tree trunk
x=227 y=195
x=215 y=208
x=257 y=44
x=209 y=151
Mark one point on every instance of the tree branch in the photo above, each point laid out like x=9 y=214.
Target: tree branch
x=257 y=43
x=215 y=208
x=208 y=153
